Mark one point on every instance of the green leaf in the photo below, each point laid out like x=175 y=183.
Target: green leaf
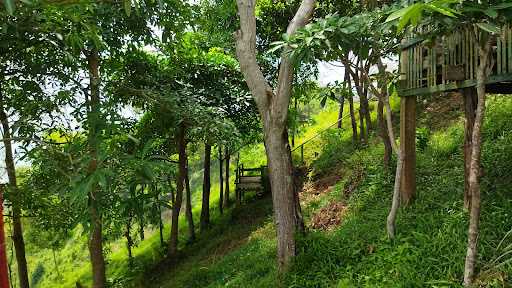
x=443 y=10
x=491 y=28
x=502 y=6
x=491 y=13
x=323 y=102
x=128 y=7
x=9 y=6
x=398 y=14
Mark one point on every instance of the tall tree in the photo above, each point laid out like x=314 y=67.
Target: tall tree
x=273 y=108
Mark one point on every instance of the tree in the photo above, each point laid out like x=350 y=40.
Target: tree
x=273 y=108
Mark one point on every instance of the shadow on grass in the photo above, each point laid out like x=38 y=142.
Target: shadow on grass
x=231 y=231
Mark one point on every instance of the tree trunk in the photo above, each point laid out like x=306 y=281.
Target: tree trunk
x=383 y=134
x=470 y=103
x=129 y=241
x=383 y=131
x=93 y=120
x=364 y=101
x=273 y=109
x=17 y=233
x=221 y=182
x=188 y=208
x=141 y=213
x=363 y=137
x=205 y=207
x=348 y=82
x=226 y=191
x=391 y=220
x=340 y=112
x=160 y=224
x=182 y=170
x=484 y=69
x=353 y=118
x=283 y=192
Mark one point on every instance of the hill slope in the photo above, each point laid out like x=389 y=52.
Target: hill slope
x=346 y=209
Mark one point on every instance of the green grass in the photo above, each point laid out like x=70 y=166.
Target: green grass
x=429 y=249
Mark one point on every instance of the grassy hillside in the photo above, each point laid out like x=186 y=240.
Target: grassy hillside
x=345 y=204
x=346 y=209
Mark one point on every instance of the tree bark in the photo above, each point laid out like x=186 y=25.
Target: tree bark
x=484 y=69
x=93 y=120
x=383 y=131
x=205 y=207
x=160 y=224
x=353 y=118
x=141 y=213
x=188 y=208
x=391 y=220
x=226 y=191
x=17 y=230
x=470 y=103
x=182 y=170
x=273 y=108
x=283 y=193
x=221 y=182
x=340 y=112
x=129 y=240
x=363 y=136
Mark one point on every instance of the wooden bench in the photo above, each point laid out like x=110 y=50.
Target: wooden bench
x=251 y=179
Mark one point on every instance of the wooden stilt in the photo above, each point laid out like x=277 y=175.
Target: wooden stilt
x=470 y=102
x=408 y=148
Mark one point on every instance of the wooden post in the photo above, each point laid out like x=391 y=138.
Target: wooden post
x=4 y=277
x=408 y=148
x=470 y=102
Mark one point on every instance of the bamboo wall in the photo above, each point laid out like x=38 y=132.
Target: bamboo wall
x=451 y=63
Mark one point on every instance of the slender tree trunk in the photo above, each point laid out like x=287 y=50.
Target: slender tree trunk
x=160 y=225
x=366 y=104
x=188 y=208
x=205 y=207
x=93 y=120
x=141 y=213
x=340 y=112
x=484 y=69
x=226 y=192
x=353 y=121
x=129 y=240
x=221 y=182
x=383 y=132
x=363 y=136
x=391 y=220
x=470 y=103
x=181 y=144
x=19 y=243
